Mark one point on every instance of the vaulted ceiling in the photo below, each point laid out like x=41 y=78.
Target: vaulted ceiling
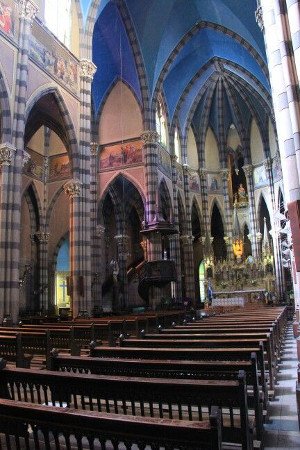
x=207 y=58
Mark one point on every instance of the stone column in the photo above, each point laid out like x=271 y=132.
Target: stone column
x=228 y=214
x=96 y=231
x=73 y=190
x=187 y=241
x=122 y=241
x=275 y=238
x=7 y=156
x=174 y=239
x=43 y=239
x=83 y=208
x=27 y=12
x=98 y=265
x=150 y=140
x=293 y=13
x=248 y=171
x=204 y=198
x=283 y=94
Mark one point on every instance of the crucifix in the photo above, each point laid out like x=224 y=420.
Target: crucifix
x=63 y=285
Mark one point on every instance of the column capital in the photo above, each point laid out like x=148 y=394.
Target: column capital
x=248 y=170
x=150 y=137
x=225 y=174
x=259 y=18
x=26 y=158
x=28 y=10
x=268 y=164
x=94 y=146
x=87 y=68
x=100 y=230
x=7 y=152
x=72 y=188
x=186 y=239
x=42 y=236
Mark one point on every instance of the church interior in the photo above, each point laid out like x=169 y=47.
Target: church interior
x=149 y=176
x=143 y=172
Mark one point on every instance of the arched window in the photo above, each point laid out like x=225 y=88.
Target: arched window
x=177 y=147
x=58 y=19
x=161 y=126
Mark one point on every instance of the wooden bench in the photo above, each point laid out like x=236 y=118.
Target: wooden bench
x=212 y=340
x=137 y=396
x=25 y=426
x=207 y=343
x=11 y=349
x=194 y=354
x=216 y=370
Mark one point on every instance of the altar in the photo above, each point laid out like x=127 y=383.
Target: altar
x=229 y=301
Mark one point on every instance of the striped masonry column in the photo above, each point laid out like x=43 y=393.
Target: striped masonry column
x=254 y=236
x=7 y=155
x=174 y=238
x=42 y=235
x=228 y=215
x=268 y=163
x=187 y=240
x=96 y=234
x=72 y=189
x=150 y=151
x=98 y=265
x=204 y=199
x=266 y=17
x=290 y=76
x=122 y=242
x=43 y=239
x=293 y=16
x=82 y=213
x=27 y=13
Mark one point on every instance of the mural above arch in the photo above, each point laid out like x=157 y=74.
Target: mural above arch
x=122 y=154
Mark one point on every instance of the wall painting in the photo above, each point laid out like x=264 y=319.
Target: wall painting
x=120 y=155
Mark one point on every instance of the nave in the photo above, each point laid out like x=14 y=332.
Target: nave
x=197 y=390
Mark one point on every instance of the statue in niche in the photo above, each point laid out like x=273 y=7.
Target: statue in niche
x=242 y=196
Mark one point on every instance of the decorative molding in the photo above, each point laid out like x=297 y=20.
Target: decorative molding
x=72 y=188
x=94 y=146
x=268 y=164
x=150 y=137
x=99 y=231
x=7 y=152
x=87 y=68
x=42 y=236
x=26 y=158
x=259 y=18
x=28 y=9
x=248 y=170
x=225 y=174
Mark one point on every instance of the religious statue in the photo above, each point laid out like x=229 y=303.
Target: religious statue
x=242 y=196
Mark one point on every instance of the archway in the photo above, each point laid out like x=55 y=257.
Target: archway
x=217 y=232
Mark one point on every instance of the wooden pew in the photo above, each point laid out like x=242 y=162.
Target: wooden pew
x=181 y=399
x=27 y=426
x=215 y=370
x=229 y=339
x=194 y=354
x=11 y=349
x=166 y=343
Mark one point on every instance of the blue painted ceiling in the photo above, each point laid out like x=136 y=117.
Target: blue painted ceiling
x=216 y=41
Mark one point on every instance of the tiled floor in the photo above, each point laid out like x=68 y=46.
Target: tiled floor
x=282 y=431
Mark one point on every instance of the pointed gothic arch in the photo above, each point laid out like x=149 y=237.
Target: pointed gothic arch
x=62 y=124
